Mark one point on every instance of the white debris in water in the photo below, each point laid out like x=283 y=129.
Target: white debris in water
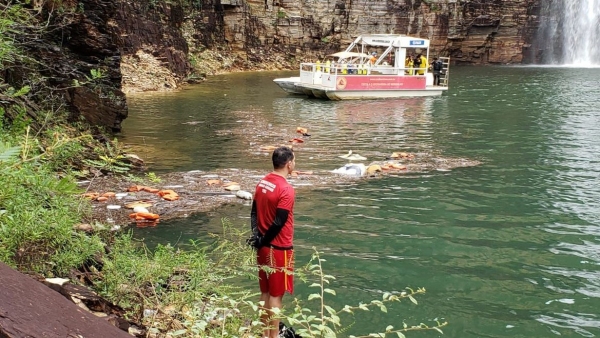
x=243 y=194
x=140 y=209
x=351 y=169
x=209 y=176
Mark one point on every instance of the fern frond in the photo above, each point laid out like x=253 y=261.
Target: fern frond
x=7 y=152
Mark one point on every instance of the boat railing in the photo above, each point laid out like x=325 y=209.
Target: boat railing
x=311 y=73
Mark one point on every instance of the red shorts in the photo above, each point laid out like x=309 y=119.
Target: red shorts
x=281 y=278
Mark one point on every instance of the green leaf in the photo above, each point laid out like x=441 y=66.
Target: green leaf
x=383 y=308
x=400 y=335
x=412 y=299
x=329 y=309
x=438 y=330
x=386 y=295
x=389 y=328
x=329 y=291
x=315 y=285
x=313 y=296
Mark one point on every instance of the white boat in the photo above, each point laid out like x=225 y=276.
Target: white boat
x=355 y=74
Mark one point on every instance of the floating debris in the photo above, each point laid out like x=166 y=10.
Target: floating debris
x=243 y=195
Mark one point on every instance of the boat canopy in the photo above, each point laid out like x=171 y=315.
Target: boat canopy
x=394 y=40
x=345 y=55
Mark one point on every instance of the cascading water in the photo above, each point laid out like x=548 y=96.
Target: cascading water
x=570 y=33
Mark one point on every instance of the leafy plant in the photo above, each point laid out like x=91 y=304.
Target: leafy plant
x=8 y=152
x=39 y=211
x=328 y=321
x=181 y=292
x=110 y=158
x=153 y=178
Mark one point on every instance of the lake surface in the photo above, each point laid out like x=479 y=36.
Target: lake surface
x=510 y=248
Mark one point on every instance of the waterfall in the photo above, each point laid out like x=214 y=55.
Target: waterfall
x=569 y=33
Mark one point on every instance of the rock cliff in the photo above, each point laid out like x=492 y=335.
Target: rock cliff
x=208 y=36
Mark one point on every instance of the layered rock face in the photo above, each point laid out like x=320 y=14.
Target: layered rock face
x=217 y=35
x=71 y=63
x=469 y=31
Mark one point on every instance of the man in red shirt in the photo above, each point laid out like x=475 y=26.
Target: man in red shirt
x=272 y=220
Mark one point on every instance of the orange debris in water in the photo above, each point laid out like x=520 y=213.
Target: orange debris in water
x=296 y=140
x=140 y=216
x=146 y=223
x=91 y=195
x=108 y=194
x=211 y=182
x=150 y=190
x=301 y=130
x=168 y=195
x=102 y=199
x=268 y=148
x=295 y=173
x=398 y=166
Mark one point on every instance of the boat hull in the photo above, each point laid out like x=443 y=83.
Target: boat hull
x=294 y=85
x=290 y=85
x=382 y=94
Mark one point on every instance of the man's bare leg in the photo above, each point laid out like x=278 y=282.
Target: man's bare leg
x=268 y=319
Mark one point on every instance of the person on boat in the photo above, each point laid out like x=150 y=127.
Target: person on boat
x=408 y=64
x=416 y=63
x=422 y=64
x=272 y=222
x=373 y=58
x=437 y=67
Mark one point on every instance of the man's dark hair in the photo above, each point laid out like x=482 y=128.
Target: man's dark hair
x=281 y=156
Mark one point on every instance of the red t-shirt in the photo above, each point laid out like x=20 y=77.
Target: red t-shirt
x=273 y=192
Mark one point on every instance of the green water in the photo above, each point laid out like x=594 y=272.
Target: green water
x=510 y=248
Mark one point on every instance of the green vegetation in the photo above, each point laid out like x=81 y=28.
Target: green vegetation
x=38 y=210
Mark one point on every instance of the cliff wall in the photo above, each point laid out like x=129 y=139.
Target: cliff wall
x=469 y=31
x=191 y=40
